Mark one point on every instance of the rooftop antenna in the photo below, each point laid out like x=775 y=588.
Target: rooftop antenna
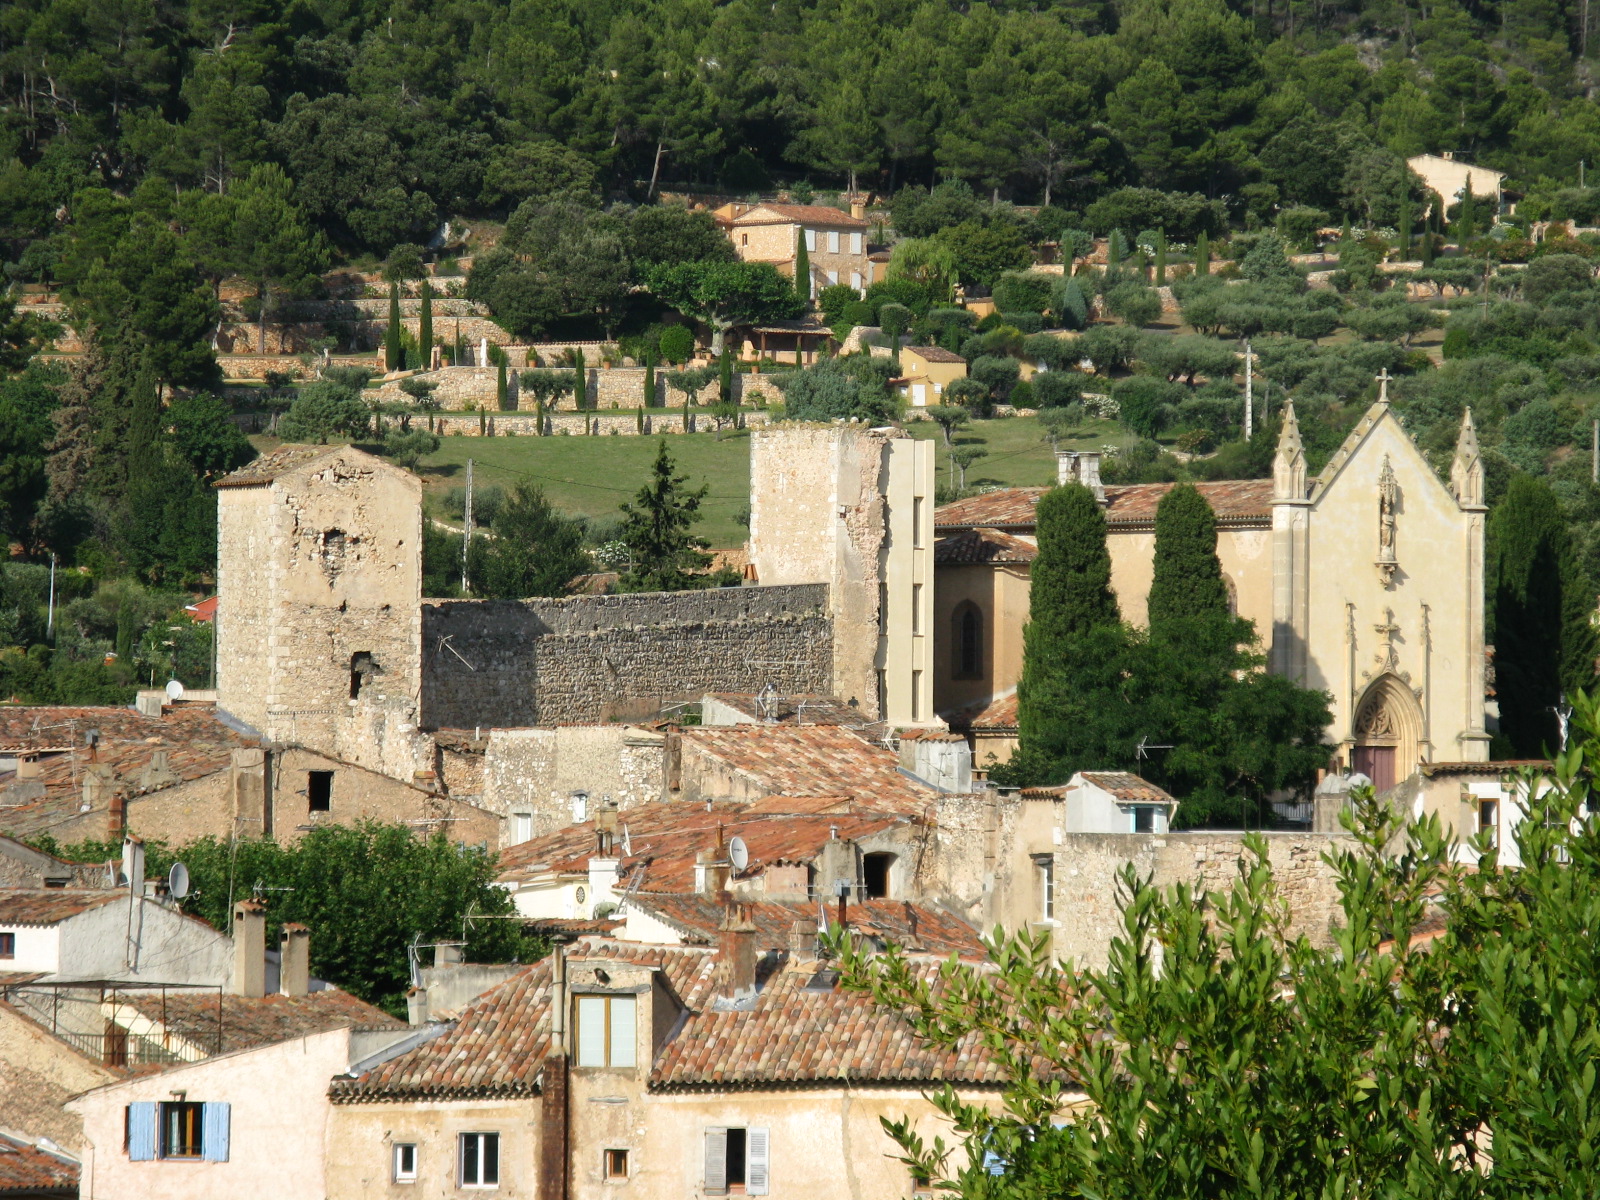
x=738 y=853
x=1142 y=750
x=627 y=842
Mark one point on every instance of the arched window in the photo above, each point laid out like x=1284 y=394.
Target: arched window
x=966 y=637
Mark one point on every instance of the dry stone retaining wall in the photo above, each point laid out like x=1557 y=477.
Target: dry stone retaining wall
x=600 y=658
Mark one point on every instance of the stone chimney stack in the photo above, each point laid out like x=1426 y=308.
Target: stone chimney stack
x=711 y=872
x=1080 y=466
x=249 y=949
x=802 y=942
x=736 y=957
x=294 y=963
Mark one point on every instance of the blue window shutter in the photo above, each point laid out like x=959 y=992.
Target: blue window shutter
x=214 y=1131
x=142 y=1131
x=993 y=1163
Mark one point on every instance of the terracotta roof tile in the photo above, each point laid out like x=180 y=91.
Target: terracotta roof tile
x=1482 y=768
x=698 y=918
x=807 y=214
x=1245 y=502
x=935 y=354
x=48 y=906
x=1126 y=786
x=279 y=462
x=666 y=838
x=801 y=709
x=808 y=761
x=256 y=1021
x=979 y=546
x=995 y=714
x=28 y=1169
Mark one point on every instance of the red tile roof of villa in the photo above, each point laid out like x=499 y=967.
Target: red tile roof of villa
x=1239 y=502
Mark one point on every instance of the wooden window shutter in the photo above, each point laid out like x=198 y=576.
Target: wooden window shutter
x=717 y=1162
x=757 y=1160
x=214 y=1121
x=142 y=1131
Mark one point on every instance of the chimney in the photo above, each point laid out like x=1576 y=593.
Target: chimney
x=736 y=956
x=710 y=873
x=447 y=954
x=1080 y=466
x=294 y=963
x=858 y=211
x=249 y=949
x=803 y=942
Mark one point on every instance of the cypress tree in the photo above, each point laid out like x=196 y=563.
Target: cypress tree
x=725 y=377
x=1188 y=576
x=802 y=269
x=1161 y=257
x=425 y=327
x=1404 y=230
x=501 y=391
x=393 y=355
x=1069 y=599
x=580 y=382
x=1202 y=255
x=1539 y=615
x=1113 y=252
x=649 y=383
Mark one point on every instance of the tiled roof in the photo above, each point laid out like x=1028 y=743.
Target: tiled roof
x=698 y=918
x=193 y=737
x=976 y=547
x=814 y=760
x=498 y=1045
x=805 y=214
x=1245 y=502
x=935 y=354
x=1127 y=787
x=666 y=838
x=1500 y=767
x=257 y=1021
x=279 y=462
x=793 y=1035
x=993 y=715
x=791 y=710
x=27 y=1169
x=48 y=906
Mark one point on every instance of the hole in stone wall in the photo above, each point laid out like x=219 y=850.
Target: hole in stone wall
x=319 y=790
x=362 y=667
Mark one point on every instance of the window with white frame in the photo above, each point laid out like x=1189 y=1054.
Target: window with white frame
x=855 y=243
x=521 y=827
x=833 y=241
x=1044 y=870
x=479 y=1158
x=605 y=1030
x=1489 y=819
x=738 y=1161
x=405 y=1162
x=1144 y=818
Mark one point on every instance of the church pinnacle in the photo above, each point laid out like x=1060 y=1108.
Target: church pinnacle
x=1466 y=468
x=1289 y=463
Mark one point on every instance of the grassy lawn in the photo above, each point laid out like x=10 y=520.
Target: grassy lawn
x=1019 y=455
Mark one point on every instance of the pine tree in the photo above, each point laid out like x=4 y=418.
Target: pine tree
x=1202 y=255
x=1188 y=576
x=655 y=529
x=425 y=328
x=802 y=269
x=1539 y=615
x=393 y=355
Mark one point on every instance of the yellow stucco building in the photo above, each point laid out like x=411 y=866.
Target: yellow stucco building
x=1365 y=581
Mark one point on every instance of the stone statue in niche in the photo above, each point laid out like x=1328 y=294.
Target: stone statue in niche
x=1388 y=500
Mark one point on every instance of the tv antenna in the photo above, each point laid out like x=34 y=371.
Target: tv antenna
x=1142 y=750
x=738 y=853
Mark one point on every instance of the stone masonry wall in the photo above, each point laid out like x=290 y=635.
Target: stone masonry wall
x=463 y=388
x=536 y=771
x=1086 y=867
x=501 y=424
x=602 y=658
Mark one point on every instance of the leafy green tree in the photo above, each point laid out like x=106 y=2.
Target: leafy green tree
x=982 y=253
x=725 y=295
x=534 y=550
x=677 y=344
x=948 y=418
x=660 y=234
x=665 y=556
x=201 y=429
x=1539 y=616
x=323 y=409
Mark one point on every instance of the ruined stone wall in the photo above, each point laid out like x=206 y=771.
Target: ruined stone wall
x=599 y=658
x=468 y=387
x=1086 y=867
x=536 y=771
x=576 y=424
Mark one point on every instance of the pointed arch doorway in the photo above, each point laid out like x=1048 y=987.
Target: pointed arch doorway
x=1387 y=732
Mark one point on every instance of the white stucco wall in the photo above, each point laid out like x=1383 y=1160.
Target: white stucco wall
x=171 y=948
x=277 y=1128
x=38 y=948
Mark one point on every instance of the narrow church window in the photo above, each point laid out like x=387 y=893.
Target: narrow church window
x=319 y=790
x=968 y=638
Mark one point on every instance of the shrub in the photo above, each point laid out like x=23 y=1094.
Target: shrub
x=997 y=374
x=1136 y=304
x=1023 y=291
x=676 y=343
x=1147 y=403
x=1057 y=389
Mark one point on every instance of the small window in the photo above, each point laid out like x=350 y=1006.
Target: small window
x=744 y=239
x=616 y=1164
x=405 y=1162
x=605 y=1030
x=319 y=790
x=521 y=827
x=968 y=637
x=875 y=870
x=1044 y=868
x=580 y=807
x=916 y=610
x=1144 y=818
x=480 y=1160
x=8 y=945
x=916 y=521
x=181 y=1130
x=1489 y=820
x=738 y=1161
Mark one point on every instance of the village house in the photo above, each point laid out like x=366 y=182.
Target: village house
x=1449 y=179
x=661 y=1071
x=835 y=241
x=925 y=371
x=1365 y=581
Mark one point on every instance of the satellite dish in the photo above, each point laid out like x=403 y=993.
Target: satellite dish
x=174 y=690
x=738 y=854
x=178 y=881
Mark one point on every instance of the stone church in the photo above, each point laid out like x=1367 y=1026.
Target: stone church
x=1365 y=581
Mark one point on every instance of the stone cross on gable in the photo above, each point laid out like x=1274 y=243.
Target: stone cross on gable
x=1383 y=378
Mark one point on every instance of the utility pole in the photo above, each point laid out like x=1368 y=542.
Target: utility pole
x=50 y=620
x=1594 y=452
x=1249 y=390
x=466 y=535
